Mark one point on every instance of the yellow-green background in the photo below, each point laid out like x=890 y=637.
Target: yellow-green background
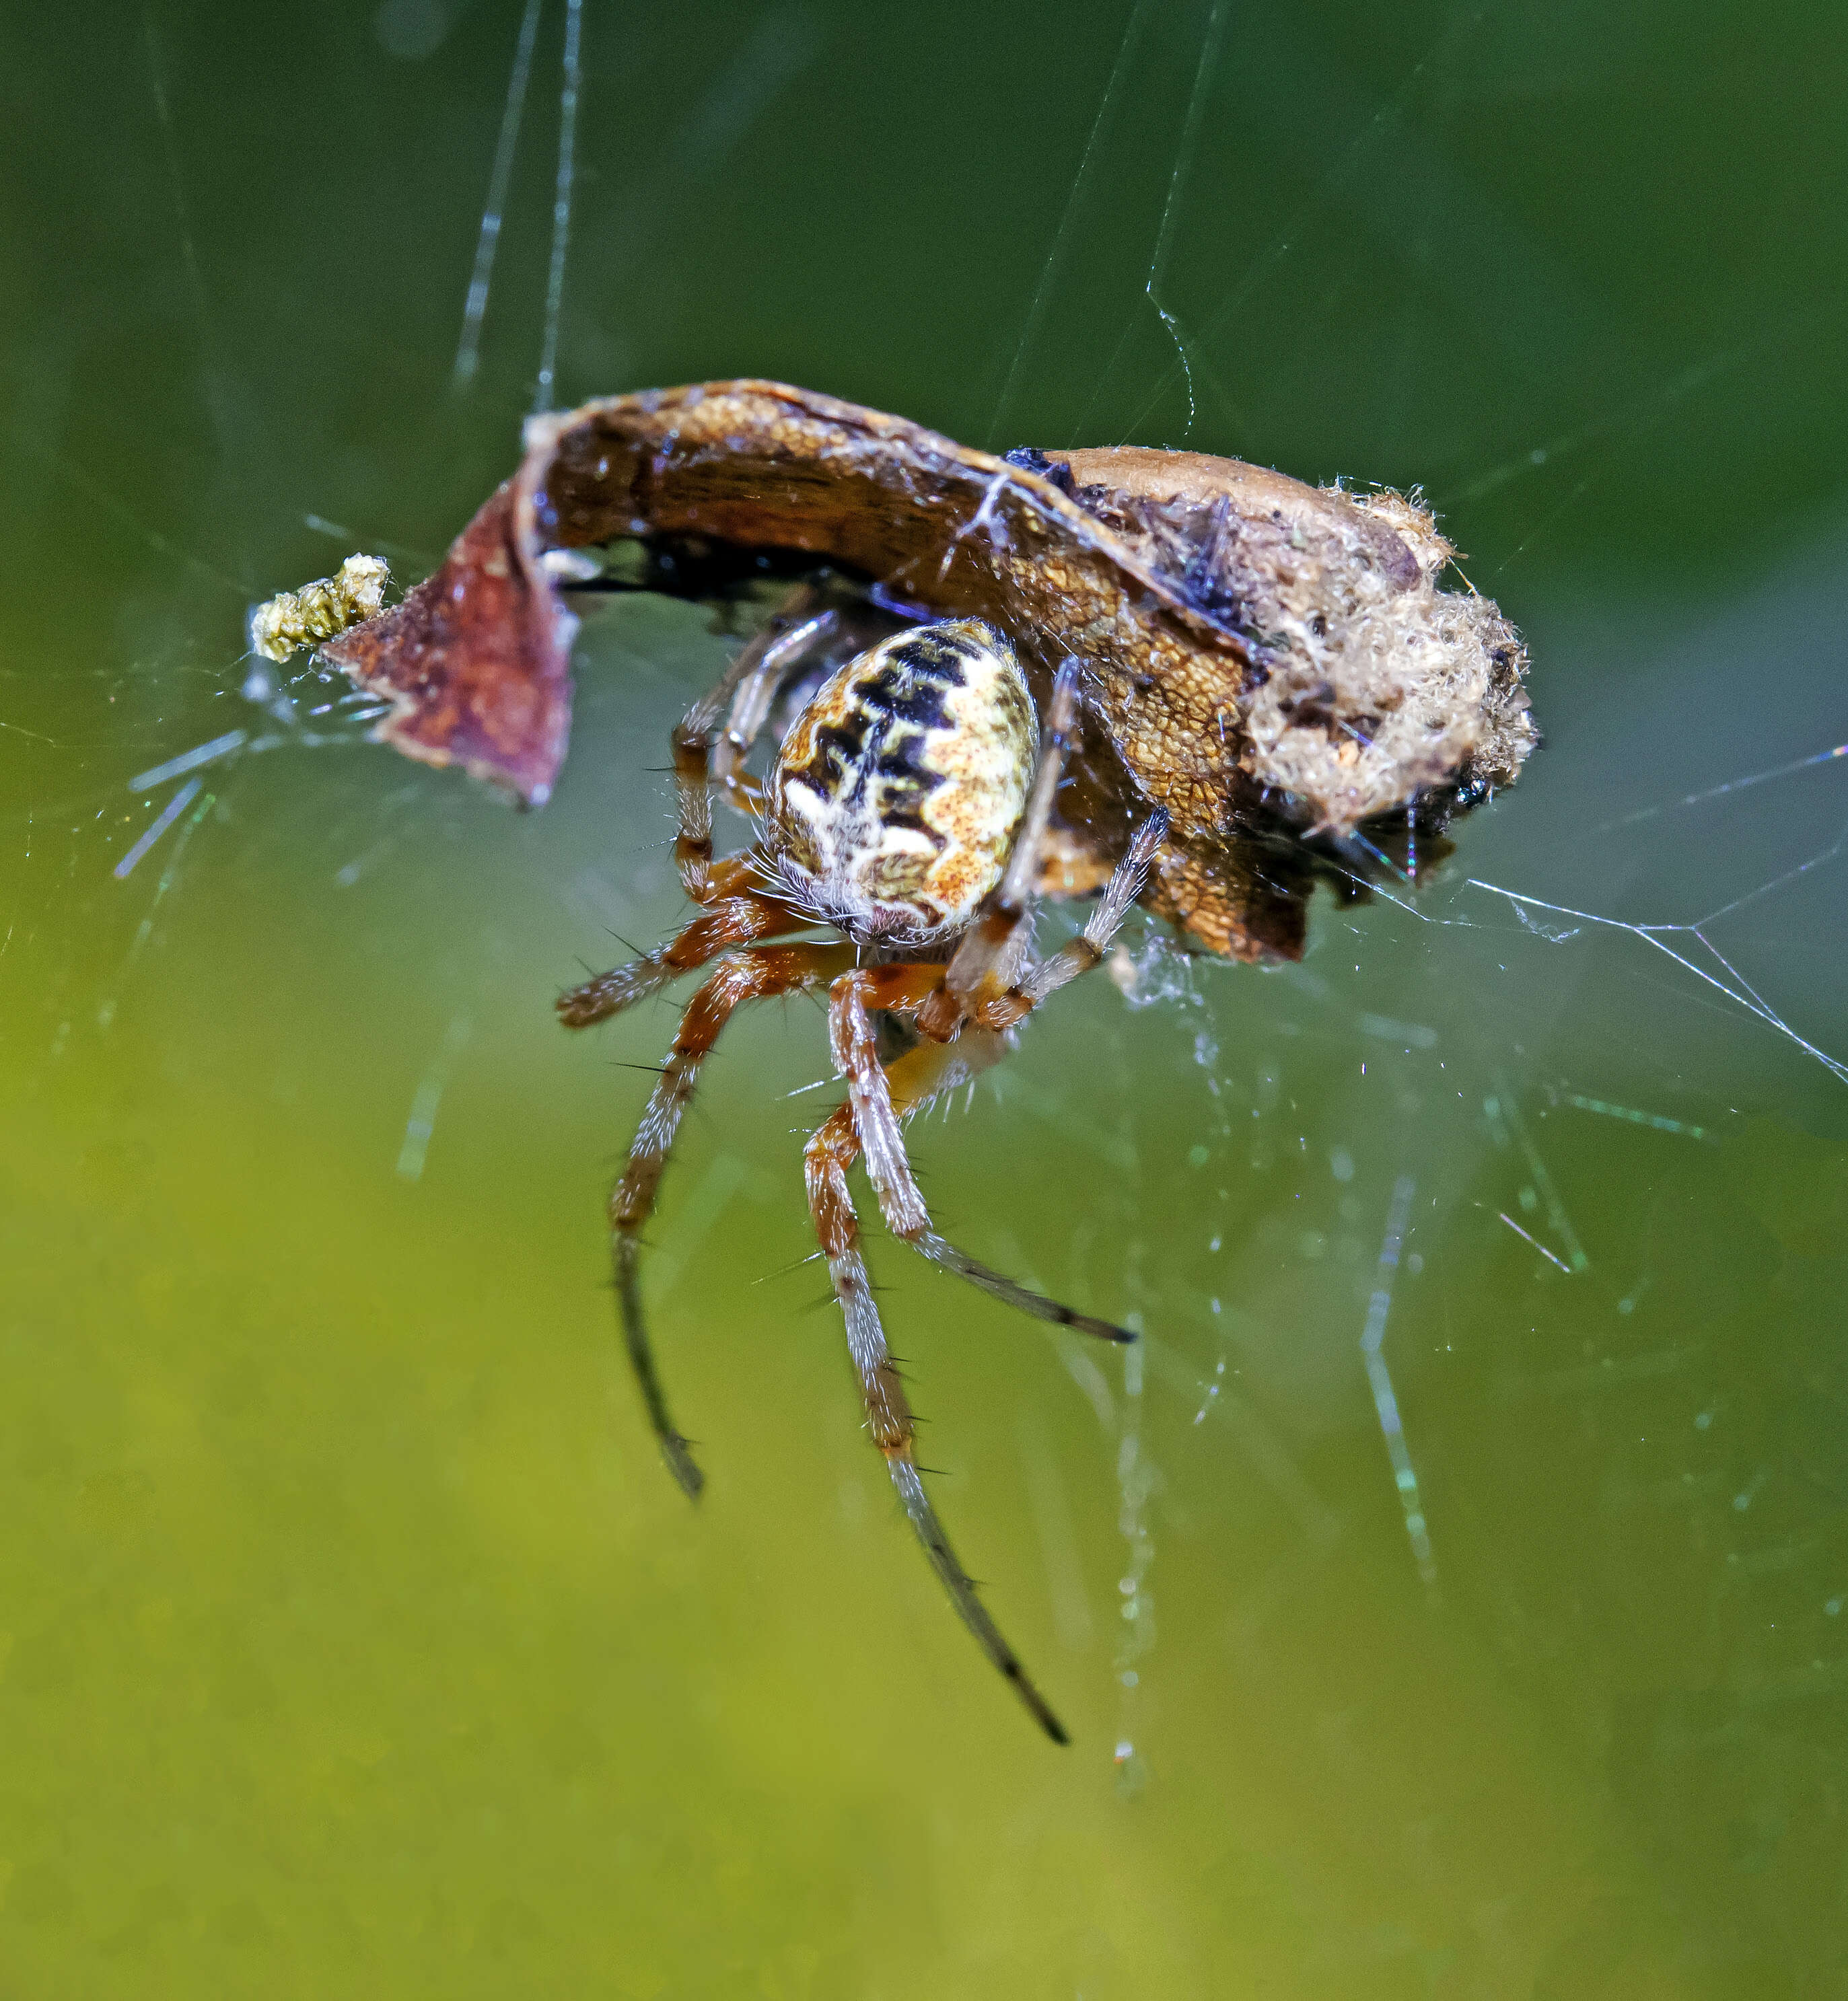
x=352 y=1641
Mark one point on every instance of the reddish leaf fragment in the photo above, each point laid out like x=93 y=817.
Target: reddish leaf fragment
x=476 y=660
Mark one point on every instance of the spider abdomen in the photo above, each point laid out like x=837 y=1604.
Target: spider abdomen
x=899 y=790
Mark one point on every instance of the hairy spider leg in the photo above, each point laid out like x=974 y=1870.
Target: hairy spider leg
x=704 y=715
x=748 y=685
x=693 y=799
x=736 y=914
x=1080 y=954
x=879 y=1098
x=888 y=1412
x=751 y=709
x=752 y=975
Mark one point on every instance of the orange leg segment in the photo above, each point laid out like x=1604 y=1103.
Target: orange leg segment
x=889 y=1411
x=740 y=916
x=753 y=975
x=869 y=1122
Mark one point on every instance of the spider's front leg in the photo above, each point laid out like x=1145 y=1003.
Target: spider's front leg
x=888 y=1410
x=1080 y=954
x=879 y=1098
x=749 y=687
x=750 y=975
x=737 y=913
x=738 y=910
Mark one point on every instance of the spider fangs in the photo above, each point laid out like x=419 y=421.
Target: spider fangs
x=906 y=811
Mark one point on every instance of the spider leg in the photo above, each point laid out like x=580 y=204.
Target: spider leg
x=751 y=709
x=752 y=976
x=737 y=914
x=736 y=911
x=749 y=686
x=693 y=801
x=878 y=1097
x=888 y=1414
x=1079 y=954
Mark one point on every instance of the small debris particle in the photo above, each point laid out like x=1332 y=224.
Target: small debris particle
x=322 y=609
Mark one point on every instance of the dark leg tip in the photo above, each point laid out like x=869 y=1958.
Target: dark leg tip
x=680 y=1463
x=578 y=1008
x=1107 y=1329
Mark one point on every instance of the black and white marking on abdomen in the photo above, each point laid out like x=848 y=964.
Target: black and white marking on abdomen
x=899 y=787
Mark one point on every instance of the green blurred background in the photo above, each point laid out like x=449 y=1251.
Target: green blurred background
x=352 y=1640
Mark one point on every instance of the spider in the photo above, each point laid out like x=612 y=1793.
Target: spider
x=906 y=811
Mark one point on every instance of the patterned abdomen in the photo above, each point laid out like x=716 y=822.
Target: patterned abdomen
x=899 y=789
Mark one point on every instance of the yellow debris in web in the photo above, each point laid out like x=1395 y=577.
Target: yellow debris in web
x=320 y=610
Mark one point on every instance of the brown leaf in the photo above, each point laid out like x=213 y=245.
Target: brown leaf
x=1258 y=651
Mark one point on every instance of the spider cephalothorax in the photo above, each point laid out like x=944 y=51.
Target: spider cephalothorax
x=907 y=812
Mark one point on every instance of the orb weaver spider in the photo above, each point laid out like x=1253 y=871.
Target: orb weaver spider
x=906 y=810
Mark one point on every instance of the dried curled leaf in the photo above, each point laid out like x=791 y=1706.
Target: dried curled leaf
x=1370 y=686
x=1260 y=652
